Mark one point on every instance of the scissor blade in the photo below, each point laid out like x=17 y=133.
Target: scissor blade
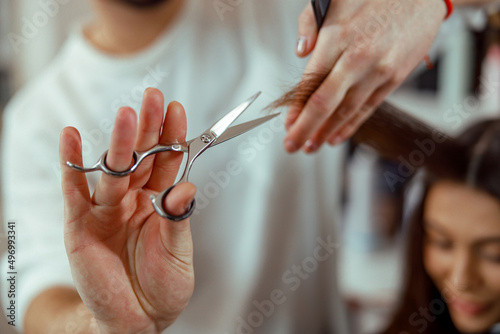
x=239 y=129
x=218 y=128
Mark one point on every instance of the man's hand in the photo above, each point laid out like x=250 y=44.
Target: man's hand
x=365 y=49
x=132 y=268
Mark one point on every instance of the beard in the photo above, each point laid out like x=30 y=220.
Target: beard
x=142 y=3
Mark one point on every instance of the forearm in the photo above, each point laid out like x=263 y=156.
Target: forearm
x=59 y=310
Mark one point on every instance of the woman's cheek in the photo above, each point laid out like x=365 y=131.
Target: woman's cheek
x=435 y=262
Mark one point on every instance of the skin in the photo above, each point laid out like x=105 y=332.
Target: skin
x=462 y=253
x=132 y=269
x=121 y=29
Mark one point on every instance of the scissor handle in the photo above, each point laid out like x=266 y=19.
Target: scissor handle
x=158 y=205
x=137 y=158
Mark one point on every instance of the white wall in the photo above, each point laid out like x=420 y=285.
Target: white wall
x=32 y=32
x=37 y=30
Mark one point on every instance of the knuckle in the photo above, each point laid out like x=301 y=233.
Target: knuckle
x=358 y=53
x=345 y=34
x=386 y=70
x=350 y=104
x=345 y=113
x=319 y=104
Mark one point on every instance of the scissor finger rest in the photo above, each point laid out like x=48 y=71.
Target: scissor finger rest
x=158 y=201
x=101 y=165
x=137 y=158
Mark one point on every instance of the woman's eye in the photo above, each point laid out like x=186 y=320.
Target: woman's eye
x=443 y=244
x=490 y=253
x=492 y=258
x=439 y=243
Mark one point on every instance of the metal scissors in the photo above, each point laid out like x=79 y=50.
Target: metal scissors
x=214 y=135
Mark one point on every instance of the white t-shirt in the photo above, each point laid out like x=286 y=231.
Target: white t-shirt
x=265 y=220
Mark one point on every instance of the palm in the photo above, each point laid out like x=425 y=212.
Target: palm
x=132 y=268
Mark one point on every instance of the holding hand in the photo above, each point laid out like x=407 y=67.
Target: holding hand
x=364 y=50
x=132 y=268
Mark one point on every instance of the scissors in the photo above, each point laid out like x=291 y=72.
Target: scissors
x=214 y=135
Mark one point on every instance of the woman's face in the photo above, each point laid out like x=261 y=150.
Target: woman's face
x=462 y=253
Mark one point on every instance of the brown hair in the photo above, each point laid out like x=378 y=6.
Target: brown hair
x=472 y=158
x=394 y=134
x=480 y=169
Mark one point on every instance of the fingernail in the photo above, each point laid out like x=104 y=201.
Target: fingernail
x=311 y=146
x=301 y=44
x=290 y=146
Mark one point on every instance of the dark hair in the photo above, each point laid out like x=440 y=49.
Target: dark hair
x=420 y=294
x=473 y=158
x=480 y=168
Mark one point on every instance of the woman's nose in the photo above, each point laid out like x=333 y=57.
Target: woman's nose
x=464 y=275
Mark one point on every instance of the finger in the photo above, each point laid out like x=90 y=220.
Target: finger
x=166 y=165
x=150 y=122
x=324 y=100
x=318 y=108
x=352 y=68
x=340 y=117
x=322 y=61
x=348 y=129
x=110 y=190
x=176 y=236
x=308 y=32
x=74 y=184
x=355 y=99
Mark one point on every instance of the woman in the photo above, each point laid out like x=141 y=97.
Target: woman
x=453 y=277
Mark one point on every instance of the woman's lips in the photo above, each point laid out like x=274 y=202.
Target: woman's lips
x=469 y=308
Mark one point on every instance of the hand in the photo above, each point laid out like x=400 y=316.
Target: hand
x=132 y=268
x=365 y=49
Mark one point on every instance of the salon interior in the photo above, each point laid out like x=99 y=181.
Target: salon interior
x=457 y=85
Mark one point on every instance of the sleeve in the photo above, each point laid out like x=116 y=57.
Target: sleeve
x=32 y=199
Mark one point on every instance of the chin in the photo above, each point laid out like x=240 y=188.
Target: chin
x=468 y=325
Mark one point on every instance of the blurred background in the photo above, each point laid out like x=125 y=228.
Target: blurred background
x=31 y=33
x=465 y=55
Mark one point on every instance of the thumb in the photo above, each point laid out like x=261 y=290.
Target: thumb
x=176 y=236
x=180 y=198
x=308 y=32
